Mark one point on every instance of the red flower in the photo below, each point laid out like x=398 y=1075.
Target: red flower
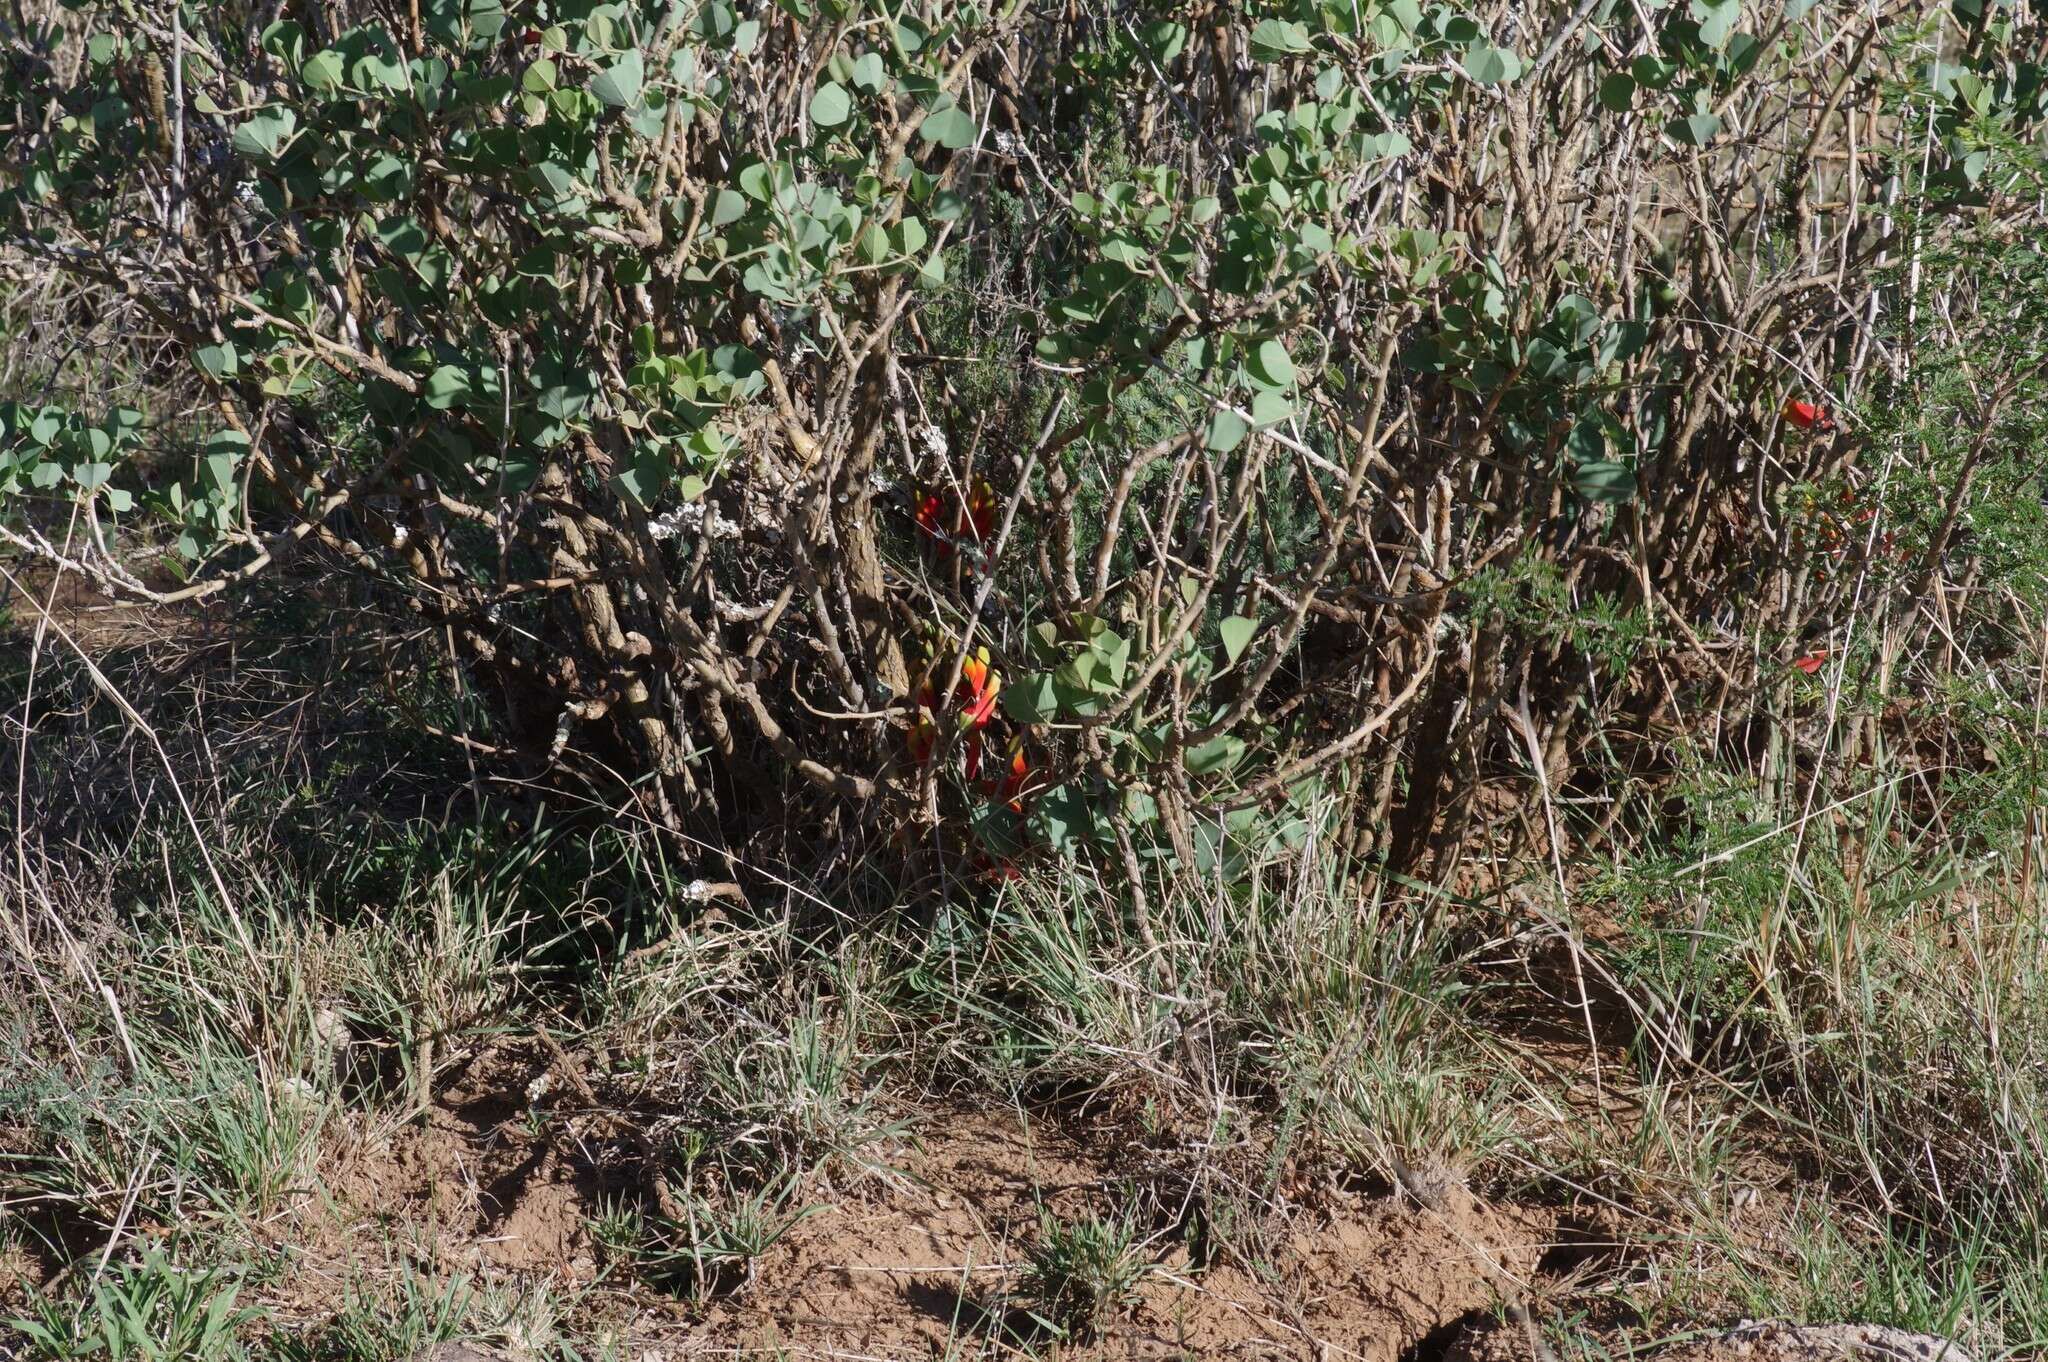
x=1807 y=416
x=946 y=519
x=982 y=682
x=929 y=507
x=1813 y=661
x=978 y=517
x=1011 y=788
x=980 y=686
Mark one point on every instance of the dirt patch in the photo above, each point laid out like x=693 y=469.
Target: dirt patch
x=931 y=1258
x=923 y=1249
x=470 y=1185
x=95 y=622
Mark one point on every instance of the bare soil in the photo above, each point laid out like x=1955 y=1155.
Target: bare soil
x=919 y=1250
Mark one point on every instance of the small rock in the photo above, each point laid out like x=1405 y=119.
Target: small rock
x=458 y=1352
x=1769 y=1341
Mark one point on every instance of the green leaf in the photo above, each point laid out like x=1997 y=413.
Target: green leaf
x=1278 y=39
x=1270 y=407
x=1491 y=65
x=728 y=207
x=217 y=468
x=1226 y=432
x=1236 y=633
x=285 y=38
x=445 y=386
x=620 y=86
x=869 y=75
x=1064 y=817
x=1717 y=19
x=1604 y=480
x=1077 y=672
x=831 y=105
x=1694 y=130
x=642 y=480
x=266 y=133
x=1114 y=653
x=1270 y=365
x=1587 y=441
x=218 y=361
x=374 y=60
x=1164 y=40
x=950 y=128
x=322 y=72
x=1618 y=92
x=1652 y=72
x=1034 y=700
x=1214 y=756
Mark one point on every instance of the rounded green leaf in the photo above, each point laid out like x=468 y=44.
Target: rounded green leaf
x=1604 y=480
x=218 y=361
x=1491 y=65
x=445 y=386
x=1236 y=633
x=1226 y=432
x=1278 y=39
x=322 y=71
x=1652 y=71
x=620 y=86
x=266 y=133
x=1618 y=92
x=950 y=128
x=831 y=105
x=1586 y=442
x=1270 y=365
x=869 y=74
x=1695 y=130
x=1270 y=408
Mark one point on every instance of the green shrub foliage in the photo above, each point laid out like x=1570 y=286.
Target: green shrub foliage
x=975 y=429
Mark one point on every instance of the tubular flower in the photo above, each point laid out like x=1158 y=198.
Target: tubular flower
x=980 y=686
x=1807 y=416
x=978 y=517
x=1010 y=789
x=981 y=683
x=946 y=518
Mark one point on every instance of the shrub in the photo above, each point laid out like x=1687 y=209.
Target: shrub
x=947 y=430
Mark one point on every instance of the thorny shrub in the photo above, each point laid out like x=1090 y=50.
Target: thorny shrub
x=955 y=429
